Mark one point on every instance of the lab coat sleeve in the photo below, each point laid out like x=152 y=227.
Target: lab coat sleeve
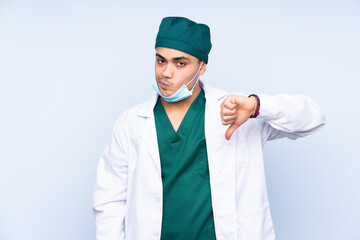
x=288 y=116
x=109 y=196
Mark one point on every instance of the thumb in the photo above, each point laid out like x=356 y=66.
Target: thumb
x=229 y=132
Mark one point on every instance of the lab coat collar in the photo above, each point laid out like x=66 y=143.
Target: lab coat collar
x=146 y=110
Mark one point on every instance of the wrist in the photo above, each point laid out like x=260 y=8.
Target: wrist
x=256 y=110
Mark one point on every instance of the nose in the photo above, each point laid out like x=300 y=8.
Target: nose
x=167 y=71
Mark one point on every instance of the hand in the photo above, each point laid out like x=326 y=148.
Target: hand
x=235 y=110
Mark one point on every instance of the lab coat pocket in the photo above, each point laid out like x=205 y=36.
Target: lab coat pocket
x=202 y=161
x=256 y=225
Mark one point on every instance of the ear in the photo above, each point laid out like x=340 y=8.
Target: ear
x=202 y=69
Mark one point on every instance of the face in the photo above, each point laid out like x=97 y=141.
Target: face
x=174 y=68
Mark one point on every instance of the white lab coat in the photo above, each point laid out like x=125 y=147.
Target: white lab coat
x=128 y=190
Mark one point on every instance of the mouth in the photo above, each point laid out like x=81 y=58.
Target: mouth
x=163 y=85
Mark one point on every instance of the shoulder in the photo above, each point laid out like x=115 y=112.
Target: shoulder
x=136 y=113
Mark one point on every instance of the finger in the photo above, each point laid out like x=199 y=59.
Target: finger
x=229 y=103
x=228 y=118
x=227 y=112
x=227 y=122
x=229 y=132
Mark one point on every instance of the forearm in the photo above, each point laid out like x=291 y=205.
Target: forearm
x=289 y=116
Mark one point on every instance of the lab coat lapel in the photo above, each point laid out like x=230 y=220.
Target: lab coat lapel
x=221 y=158
x=148 y=136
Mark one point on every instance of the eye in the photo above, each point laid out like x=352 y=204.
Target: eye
x=160 y=61
x=181 y=64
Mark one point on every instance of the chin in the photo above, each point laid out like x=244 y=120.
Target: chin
x=165 y=93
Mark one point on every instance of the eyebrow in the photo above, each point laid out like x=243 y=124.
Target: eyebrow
x=175 y=58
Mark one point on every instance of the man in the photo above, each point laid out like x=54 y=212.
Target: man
x=188 y=163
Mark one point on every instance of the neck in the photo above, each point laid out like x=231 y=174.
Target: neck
x=184 y=104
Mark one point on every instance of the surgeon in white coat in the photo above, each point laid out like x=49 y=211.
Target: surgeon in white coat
x=188 y=163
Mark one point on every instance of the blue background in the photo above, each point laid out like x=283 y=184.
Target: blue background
x=68 y=69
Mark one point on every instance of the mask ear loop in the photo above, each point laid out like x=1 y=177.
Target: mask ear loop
x=195 y=77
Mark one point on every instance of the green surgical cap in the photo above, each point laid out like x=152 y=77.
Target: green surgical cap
x=184 y=35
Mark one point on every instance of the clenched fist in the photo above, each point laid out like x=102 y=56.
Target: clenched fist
x=235 y=110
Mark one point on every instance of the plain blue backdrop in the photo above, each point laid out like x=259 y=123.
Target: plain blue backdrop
x=68 y=69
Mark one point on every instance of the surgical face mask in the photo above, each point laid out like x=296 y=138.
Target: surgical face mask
x=182 y=93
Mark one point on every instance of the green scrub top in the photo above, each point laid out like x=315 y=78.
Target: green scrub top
x=187 y=207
